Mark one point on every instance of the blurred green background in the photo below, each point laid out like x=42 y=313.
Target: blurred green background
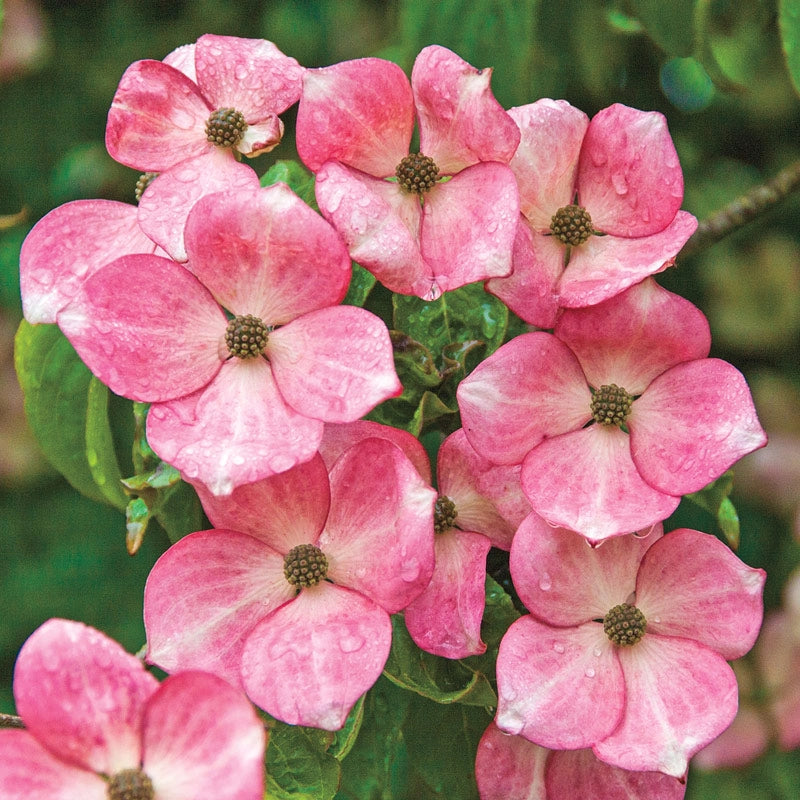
x=715 y=68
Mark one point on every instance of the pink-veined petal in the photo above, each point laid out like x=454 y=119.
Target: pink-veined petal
x=692 y=585
x=680 y=695
x=202 y=737
x=691 y=424
x=509 y=767
x=460 y=121
x=283 y=510
x=204 y=595
x=182 y=58
x=604 y=266
x=360 y=113
x=469 y=224
x=446 y=618
x=587 y=481
x=261 y=138
x=265 y=252
x=558 y=687
x=564 y=581
x=82 y=696
x=147 y=328
x=379 y=533
x=309 y=662
x=167 y=201
x=157 y=119
x=632 y=338
x=236 y=430
x=335 y=364
x=251 y=75
x=29 y=772
x=68 y=245
x=530 y=388
x=629 y=176
x=546 y=161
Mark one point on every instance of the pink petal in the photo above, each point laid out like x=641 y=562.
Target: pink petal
x=335 y=364
x=460 y=121
x=147 y=328
x=586 y=481
x=606 y=265
x=182 y=58
x=530 y=388
x=204 y=595
x=469 y=224
x=680 y=696
x=446 y=618
x=358 y=112
x=166 y=204
x=572 y=774
x=741 y=743
x=691 y=424
x=236 y=430
x=384 y=547
x=29 y=772
x=546 y=162
x=261 y=138
x=634 y=337
x=265 y=252
x=82 y=696
x=202 y=737
x=488 y=497
x=564 y=581
x=629 y=177
x=298 y=502
x=691 y=585
x=251 y=75
x=309 y=662
x=509 y=767
x=157 y=119
x=558 y=687
x=67 y=246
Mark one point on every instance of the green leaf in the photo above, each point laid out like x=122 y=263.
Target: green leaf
x=295 y=176
x=100 y=455
x=715 y=499
x=789 y=25
x=345 y=738
x=361 y=284
x=667 y=24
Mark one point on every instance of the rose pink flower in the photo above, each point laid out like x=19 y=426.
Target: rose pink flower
x=96 y=722
x=615 y=415
x=512 y=768
x=479 y=505
x=235 y=400
x=354 y=126
x=232 y=600
x=626 y=645
x=600 y=207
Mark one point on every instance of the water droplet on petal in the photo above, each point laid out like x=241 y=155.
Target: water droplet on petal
x=545 y=582
x=597 y=652
x=558 y=647
x=590 y=673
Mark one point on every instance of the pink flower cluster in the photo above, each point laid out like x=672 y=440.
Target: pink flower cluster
x=218 y=302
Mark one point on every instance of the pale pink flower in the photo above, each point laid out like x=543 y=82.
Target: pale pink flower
x=220 y=600
x=225 y=411
x=600 y=207
x=512 y=768
x=680 y=419
x=354 y=126
x=626 y=645
x=96 y=722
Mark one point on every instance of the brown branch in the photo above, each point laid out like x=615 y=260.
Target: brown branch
x=11 y=721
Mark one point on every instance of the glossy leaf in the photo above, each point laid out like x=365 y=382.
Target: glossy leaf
x=361 y=284
x=715 y=499
x=100 y=455
x=667 y=24
x=295 y=176
x=789 y=23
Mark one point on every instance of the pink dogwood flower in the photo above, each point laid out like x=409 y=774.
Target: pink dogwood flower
x=615 y=415
x=290 y=596
x=600 y=207
x=416 y=233
x=98 y=726
x=236 y=399
x=512 y=768
x=625 y=648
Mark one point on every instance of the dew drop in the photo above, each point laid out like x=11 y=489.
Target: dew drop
x=351 y=643
x=656 y=619
x=545 y=582
x=558 y=647
x=590 y=673
x=597 y=652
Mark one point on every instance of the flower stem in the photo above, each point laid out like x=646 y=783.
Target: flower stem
x=11 y=721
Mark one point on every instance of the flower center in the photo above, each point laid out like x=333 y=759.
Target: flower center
x=130 y=784
x=246 y=336
x=444 y=514
x=145 y=179
x=571 y=225
x=611 y=405
x=624 y=625
x=417 y=173
x=305 y=565
x=225 y=127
